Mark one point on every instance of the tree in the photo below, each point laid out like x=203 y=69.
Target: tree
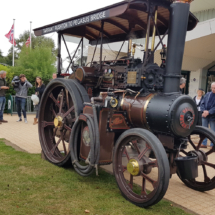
x=2 y=58
x=35 y=41
x=39 y=61
x=9 y=58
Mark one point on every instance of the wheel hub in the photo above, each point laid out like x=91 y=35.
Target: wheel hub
x=58 y=121
x=133 y=167
x=200 y=154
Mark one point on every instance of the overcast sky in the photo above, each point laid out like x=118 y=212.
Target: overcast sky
x=41 y=12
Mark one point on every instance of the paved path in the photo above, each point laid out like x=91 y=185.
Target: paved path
x=22 y=134
x=25 y=136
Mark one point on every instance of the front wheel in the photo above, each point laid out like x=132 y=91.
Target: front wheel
x=139 y=158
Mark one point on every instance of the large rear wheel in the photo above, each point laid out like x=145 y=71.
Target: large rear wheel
x=141 y=167
x=60 y=106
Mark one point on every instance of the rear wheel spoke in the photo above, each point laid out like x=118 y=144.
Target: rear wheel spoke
x=53 y=111
x=67 y=127
x=67 y=98
x=56 y=145
x=64 y=147
x=45 y=124
x=61 y=102
x=55 y=132
x=54 y=99
x=70 y=110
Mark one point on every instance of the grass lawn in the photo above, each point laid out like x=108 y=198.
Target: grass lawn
x=30 y=185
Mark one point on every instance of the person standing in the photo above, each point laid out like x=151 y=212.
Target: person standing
x=21 y=96
x=198 y=100
x=40 y=87
x=54 y=76
x=182 y=84
x=208 y=112
x=3 y=89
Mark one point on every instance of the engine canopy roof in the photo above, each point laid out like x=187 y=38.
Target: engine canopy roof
x=122 y=21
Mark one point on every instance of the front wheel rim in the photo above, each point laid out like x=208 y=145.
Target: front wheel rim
x=137 y=194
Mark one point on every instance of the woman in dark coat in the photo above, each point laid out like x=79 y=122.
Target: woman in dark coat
x=40 y=87
x=198 y=99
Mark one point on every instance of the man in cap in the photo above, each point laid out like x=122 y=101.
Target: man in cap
x=3 y=89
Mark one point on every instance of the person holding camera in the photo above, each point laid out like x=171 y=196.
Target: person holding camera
x=3 y=89
x=21 y=87
x=40 y=87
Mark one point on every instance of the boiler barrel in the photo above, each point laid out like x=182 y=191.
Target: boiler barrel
x=172 y=114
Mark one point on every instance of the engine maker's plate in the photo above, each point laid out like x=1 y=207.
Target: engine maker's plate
x=132 y=77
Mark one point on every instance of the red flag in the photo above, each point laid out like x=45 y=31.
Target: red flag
x=28 y=42
x=10 y=36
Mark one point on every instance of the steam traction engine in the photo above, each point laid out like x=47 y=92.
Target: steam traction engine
x=127 y=111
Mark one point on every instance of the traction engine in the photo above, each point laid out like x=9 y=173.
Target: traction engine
x=128 y=112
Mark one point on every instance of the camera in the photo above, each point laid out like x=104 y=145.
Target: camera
x=15 y=81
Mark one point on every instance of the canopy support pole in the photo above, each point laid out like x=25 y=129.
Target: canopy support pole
x=102 y=26
x=120 y=50
x=74 y=55
x=147 y=39
x=95 y=50
x=82 y=48
x=59 y=55
x=66 y=47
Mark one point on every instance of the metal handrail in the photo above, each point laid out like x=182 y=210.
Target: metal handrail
x=29 y=105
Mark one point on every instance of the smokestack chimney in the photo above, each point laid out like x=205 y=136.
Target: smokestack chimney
x=179 y=14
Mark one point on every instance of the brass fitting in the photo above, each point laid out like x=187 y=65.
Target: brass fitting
x=58 y=121
x=183 y=1
x=133 y=50
x=130 y=44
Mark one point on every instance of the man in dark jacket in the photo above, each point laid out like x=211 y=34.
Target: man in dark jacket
x=3 y=89
x=21 y=96
x=208 y=112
